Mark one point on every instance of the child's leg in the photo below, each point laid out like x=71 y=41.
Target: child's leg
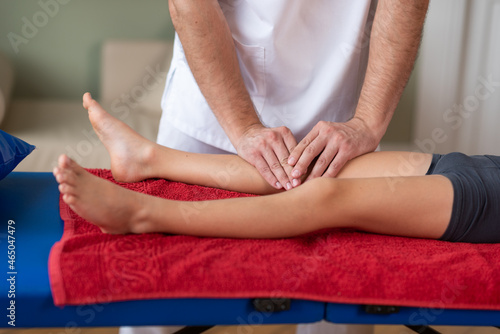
x=387 y=164
x=134 y=158
x=413 y=206
x=407 y=206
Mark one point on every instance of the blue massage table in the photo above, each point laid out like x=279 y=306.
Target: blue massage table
x=29 y=204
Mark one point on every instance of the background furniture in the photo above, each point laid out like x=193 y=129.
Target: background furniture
x=133 y=75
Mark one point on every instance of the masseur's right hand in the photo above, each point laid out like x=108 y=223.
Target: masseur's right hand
x=267 y=149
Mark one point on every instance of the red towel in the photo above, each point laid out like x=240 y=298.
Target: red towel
x=343 y=266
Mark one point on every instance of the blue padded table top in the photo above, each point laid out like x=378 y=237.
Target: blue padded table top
x=30 y=202
x=355 y=314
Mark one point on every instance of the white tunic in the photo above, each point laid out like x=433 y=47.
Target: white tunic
x=302 y=61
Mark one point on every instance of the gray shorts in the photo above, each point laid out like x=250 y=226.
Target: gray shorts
x=476 y=204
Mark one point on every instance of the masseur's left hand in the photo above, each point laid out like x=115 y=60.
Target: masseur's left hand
x=333 y=144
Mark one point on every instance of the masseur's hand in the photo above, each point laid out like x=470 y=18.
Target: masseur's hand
x=333 y=144
x=268 y=149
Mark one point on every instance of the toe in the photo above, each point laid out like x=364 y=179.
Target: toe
x=69 y=199
x=66 y=176
x=87 y=98
x=55 y=171
x=92 y=105
x=59 y=177
x=69 y=191
x=66 y=162
x=63 y=161
x=68 y=171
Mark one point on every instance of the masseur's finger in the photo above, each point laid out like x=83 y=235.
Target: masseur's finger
x=290 y=144
x=267 y=149
x=277 y=165
x=305 y=152
x=265 y=171
x=337 y=164
x=324 y=161
x=282 y=150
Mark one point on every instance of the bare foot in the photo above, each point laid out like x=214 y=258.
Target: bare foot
x=113 y=209
x=130 y=153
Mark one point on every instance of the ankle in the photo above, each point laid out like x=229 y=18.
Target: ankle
x=149 y=160
x=149 y=153
x=156 y=161
x=141 y=219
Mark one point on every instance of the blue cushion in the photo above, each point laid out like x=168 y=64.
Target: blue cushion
x=12 y=151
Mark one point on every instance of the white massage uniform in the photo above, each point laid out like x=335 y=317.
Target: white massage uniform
x=302 y=62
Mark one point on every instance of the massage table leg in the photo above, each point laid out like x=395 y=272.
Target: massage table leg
x=423 y=329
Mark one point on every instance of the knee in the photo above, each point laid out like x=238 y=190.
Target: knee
x=319 y=199
x=322 y=190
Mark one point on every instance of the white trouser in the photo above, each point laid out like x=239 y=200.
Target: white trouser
x=149 y=330
x=173 y=138
x=324 y=327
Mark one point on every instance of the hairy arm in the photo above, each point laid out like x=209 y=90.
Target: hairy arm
x=395 y=39
x=211 y=55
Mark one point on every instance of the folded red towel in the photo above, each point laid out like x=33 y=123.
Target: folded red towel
x=343 y=266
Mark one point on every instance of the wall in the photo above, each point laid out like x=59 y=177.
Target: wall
x=401 y=126
x=458 y=93
x=55 y=44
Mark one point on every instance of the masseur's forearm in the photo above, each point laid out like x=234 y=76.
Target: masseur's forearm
x=211 y=54
x=395 y=39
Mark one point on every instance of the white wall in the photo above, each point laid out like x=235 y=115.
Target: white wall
x=458 y=89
